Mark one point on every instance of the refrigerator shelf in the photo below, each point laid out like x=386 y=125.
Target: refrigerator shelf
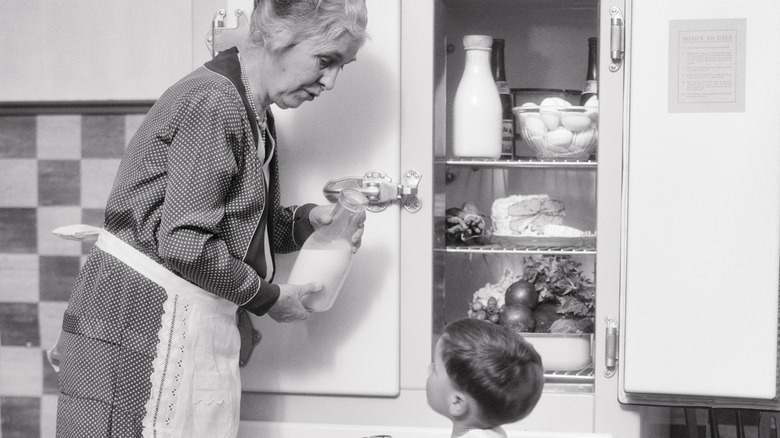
x=514 y=250
x=477 y=162
x=570 y=381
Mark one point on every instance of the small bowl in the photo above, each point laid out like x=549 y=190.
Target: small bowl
x=562 y=351
x=558 y=133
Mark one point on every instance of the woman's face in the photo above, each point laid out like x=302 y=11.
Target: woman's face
x=303 y=71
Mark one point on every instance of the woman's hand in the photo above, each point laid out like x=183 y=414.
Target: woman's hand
x=288 y=308
x=321 y=215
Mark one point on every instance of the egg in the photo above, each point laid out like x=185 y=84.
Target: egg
x=560 y=137
x=592 y=108
x=534 y=125
x=550 y=117
x=555 y=102
x=575 y=121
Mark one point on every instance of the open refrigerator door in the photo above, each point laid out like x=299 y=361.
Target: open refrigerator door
x=701 y=241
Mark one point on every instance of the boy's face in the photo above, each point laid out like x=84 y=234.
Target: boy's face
x=438 y=388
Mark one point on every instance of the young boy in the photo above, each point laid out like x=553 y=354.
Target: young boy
x=483 y=375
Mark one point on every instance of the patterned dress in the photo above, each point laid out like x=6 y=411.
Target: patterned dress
x=194 y=194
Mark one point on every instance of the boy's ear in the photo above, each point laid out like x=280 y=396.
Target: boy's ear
x=458 y=404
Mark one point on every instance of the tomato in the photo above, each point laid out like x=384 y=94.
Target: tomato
x=545 y=314
x=521 y=292
x=518 y=317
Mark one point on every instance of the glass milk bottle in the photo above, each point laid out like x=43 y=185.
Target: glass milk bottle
x=327 y=254
x=476 y=110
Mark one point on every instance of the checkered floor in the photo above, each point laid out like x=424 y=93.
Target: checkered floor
x=55 y=169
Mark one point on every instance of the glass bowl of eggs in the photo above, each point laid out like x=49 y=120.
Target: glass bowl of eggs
x=557 y=130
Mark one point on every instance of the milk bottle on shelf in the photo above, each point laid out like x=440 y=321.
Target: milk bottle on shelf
x=476 y=111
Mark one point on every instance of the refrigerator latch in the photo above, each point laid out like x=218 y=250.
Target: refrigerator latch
x=379 y=189
x=617 y=39
x=611 y=347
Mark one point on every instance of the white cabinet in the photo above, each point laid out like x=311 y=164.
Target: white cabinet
x=86 y=50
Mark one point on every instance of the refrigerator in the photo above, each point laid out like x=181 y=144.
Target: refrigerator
x=681 y=199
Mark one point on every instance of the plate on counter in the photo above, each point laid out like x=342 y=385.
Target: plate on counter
x=584 y=242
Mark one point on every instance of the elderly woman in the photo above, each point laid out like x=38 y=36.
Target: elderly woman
x=149 y=345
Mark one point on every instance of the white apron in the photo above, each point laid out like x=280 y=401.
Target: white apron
x=196 y=385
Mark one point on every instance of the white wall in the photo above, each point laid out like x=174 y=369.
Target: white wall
x=93 y=50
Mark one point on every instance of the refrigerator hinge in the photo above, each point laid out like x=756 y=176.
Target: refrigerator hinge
x=220 y=38
x=611 y=347
x=379 y=189
x=617 y=39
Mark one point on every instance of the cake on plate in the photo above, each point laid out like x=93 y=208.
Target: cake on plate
x=530 y=215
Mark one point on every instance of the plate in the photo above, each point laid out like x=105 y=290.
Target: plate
x=585 y=242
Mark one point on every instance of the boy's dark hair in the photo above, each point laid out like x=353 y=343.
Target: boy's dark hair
x=495 y=366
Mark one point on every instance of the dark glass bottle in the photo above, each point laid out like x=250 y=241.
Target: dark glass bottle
x=591 y=79
x=504 y=92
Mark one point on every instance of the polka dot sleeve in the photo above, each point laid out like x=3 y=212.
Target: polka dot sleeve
x=207 y=158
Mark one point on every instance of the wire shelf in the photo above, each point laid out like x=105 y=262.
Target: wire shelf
x=581 y=381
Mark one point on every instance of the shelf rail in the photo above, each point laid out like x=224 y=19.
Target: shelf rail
x=482 y=163
x=514 y=250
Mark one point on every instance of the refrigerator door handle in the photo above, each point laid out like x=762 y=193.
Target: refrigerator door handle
x=379 y=189
x=617 y=39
